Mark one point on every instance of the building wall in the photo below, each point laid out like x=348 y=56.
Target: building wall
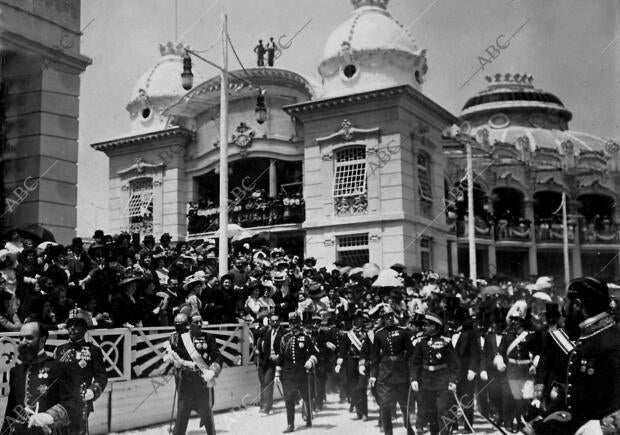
x=394 y=221
x=41 y=67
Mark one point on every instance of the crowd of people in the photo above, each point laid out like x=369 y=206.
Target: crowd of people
x=257 y=209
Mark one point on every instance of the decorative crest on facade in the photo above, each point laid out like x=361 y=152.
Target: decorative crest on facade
x=141 y=167
x=348 y=132
x=243 y=137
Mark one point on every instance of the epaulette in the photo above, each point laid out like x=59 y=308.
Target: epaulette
x=416 y=340
x=446 y=339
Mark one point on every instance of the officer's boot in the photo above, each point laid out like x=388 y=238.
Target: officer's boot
x=386 y=416
x=290 y=416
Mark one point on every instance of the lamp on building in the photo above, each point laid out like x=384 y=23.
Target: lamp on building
x=187 y=78
x=261 y=107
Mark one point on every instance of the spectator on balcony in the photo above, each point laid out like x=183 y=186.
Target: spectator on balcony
x=240 y=272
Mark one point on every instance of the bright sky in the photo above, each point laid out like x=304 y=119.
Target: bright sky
x=571 y=47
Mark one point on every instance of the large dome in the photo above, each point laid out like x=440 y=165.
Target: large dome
x=159 y=87
x=370 y=50
x=512 y=110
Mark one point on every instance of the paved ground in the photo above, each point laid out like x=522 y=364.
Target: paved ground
x=333 y=419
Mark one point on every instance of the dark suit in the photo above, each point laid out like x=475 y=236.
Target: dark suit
x=85 y=361
x=467 y=349
x=47 y=383
x=493 y=396
x=266 y=361
x=353 y=353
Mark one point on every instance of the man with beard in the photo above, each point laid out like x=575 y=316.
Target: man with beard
x=85 y=361
x=434 y=372
x=353 y=353
x=44 y=395
x=466 y=344
x=267 y=348
x=592 y=404
x=389 y=370
x=297 y=356
x=201 y=362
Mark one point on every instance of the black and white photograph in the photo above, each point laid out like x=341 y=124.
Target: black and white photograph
x=347 y=217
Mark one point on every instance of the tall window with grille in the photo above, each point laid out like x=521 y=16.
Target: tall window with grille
x=352 y=250
x=350 y=182
x=424 y=184
x=426 y=262
x=140 y=206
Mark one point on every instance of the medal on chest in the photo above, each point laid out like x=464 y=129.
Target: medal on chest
x=438 y=355
x=301 y=342
x=43 y=373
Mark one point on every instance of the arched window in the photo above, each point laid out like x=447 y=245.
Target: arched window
x=140 y=206
x=424 y=178
x=350 y=181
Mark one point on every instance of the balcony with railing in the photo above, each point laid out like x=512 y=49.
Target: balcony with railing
x=603 y=233
x=203 y=218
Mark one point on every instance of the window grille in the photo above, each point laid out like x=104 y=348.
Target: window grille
x=352 y=250
x=426 y=262
x=350 y=172
x=424 y=178
x=141 y=198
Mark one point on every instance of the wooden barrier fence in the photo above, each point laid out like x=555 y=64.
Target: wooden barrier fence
x=141 y=385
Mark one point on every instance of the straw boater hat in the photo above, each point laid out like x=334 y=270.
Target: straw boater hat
x=190 y=281
x=315 y=290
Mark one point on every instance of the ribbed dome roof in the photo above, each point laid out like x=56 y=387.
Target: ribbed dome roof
x=510 y=92
x=164 y=78
x=370 y=28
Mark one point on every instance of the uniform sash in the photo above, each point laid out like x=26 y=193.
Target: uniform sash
x=193 y=353
x=354 y=340
x=516 y=341
x=562 y=340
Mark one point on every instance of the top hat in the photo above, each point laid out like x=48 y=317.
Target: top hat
x=98 y=234
x=398 y=267
x=165 y=236
x=77 y=241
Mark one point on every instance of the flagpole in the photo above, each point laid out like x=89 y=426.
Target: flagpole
x=223 y=248
x=565 y=225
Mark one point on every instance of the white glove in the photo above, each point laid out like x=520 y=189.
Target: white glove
x=372 y=382
x=337 y=369
x=362 y=370
x=471 y=375
x=415 y=386
x=308 y=365
x=89 y=395
x=330 y=345
x=42 y=420
x=208 y=375
x=592 y=427
x=532 y=370
x=484 y=375
x=536 y=403
x=452 y=386
x=499 y=363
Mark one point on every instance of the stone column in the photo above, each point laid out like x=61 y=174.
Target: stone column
x=454 y=258
x=273 y=179
x=492 y=260
x=529 y=214
x=576 y=271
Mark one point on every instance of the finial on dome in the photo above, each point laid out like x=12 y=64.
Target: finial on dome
x=379 y=3
x=170 y=48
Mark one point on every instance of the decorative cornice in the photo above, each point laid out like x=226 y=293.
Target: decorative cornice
x=145 y=138
x=142 y=167
x=347 y=132
x=408 y=90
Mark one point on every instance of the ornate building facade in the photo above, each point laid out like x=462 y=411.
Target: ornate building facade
x=357 y=169
x=40 y=64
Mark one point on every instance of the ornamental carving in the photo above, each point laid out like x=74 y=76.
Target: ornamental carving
x=347 y=132
x=243 y=137
x=351 y=205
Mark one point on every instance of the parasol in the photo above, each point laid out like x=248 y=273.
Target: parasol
x=370 y=270
x=542 y=296
x=243 y=235
x=233 y=230
x=36 y=232
x=387 y=278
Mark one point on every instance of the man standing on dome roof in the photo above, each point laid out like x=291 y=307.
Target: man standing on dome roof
x=271 y=51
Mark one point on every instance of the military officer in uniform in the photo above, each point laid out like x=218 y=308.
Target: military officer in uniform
x=389 y=370
x=296 y=358
x=519 y=354
x=85 y=361
x=200 y=361
x=44 y=395
x=592 y=404
x=434 y=373
x=353 y=354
